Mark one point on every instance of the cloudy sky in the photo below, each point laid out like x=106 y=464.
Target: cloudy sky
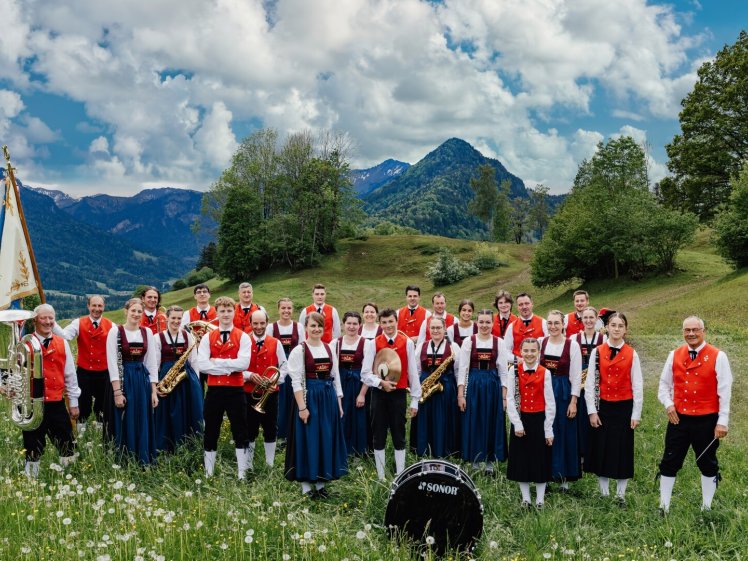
x=113 y=96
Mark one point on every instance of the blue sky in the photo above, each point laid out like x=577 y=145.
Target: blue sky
x=100 y=96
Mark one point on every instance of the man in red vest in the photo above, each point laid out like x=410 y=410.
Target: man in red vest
x=695 y=388
x=152 y=318
x=332 y=319
x=245 y=308
x=503 y=302
x=525 y=326
x=267 y=352
x=60 y=379
x=439 y=303
x=92 y=371
x=202 y=311
x=573 y=321
x=223 y=356
x=411 y=317
x=388 y=400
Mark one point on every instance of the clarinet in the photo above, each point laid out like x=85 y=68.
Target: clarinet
x=120 y=368
x=516 y=385
x=597 y=381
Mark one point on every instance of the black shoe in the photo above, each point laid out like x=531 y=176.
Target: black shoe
x=662 y=512
x=525 y=506
x=323 y=493
x=620 y=501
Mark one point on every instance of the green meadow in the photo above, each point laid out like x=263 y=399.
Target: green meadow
x=106 y=508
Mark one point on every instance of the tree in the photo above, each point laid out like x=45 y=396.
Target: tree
x=539 y=211
x=713 y=143
x=486 y=195
x=731 y=225
x=207 y=256
x=610 y=224
x=519 y=219
x=502 y=214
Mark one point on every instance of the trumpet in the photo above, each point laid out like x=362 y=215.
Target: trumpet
x=265 y=388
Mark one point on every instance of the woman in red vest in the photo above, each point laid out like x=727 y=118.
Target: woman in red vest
x=180 y=413
x=481 y=395
x=351 y=349
x=316 y=450
x=614 y=395
x=587 y=340
x=531 y=409
x=133 y=372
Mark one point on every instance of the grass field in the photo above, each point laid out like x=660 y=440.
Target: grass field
x=104 y=508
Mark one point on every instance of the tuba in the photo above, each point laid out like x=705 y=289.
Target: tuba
x=431 y=384
x=177 y=372
x=22 y=378
x=265 y=389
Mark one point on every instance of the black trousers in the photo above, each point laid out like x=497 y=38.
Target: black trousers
x=55 y=424
x=388 y=413
x=229 y=400
x=93 y=389
x=268 y=420
x=694 y=431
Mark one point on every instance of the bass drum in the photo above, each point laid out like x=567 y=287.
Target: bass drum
x=438 y=499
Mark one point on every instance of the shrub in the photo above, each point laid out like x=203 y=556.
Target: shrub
x=196 y=277
x=731 y=226
x=486 y=257
x=179 y=284
x=447 y=269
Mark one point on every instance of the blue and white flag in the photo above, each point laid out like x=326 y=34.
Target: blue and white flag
x=17 y=279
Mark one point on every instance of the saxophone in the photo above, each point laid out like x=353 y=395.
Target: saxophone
x=431 y=384
x=177 y=372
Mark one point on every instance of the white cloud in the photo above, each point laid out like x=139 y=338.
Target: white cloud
x=165 y=81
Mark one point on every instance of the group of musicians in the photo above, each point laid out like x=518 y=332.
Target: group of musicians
x=570 y=384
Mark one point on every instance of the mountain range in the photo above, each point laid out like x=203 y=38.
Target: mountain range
x=432 y=196
x=366 y=180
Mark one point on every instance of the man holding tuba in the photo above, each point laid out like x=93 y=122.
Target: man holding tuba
x=267 y=369
x=60 y=378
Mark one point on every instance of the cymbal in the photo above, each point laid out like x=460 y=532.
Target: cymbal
x=387 y=365
x=8 y=316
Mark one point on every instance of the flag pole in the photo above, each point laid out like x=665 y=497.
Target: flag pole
x=12 y=178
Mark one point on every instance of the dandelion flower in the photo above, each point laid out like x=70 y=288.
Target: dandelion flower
x=360 y=535
x=430 y=540
x=307 y=535
x=66 y=521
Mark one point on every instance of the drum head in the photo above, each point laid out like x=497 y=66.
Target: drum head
x=437 y=499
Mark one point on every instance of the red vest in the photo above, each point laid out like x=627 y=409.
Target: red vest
x=478 y=356
x=615 y=375
x=327 y=313
x=157 y=325
x=288 y=341
x=92 y=344
x=520 y=331
x=229 y=349
x=53 y=368
x=317 y=368
x=500 y=330
x=559 y=366
x=244 y=321
x=195 y=315
x=429 y=362
x=351 y=359
x=531 y=389
x=449 y=320
x=573 y=325
x=410 y=324
x=400 y=346
x=695 y=381
x=262 y=358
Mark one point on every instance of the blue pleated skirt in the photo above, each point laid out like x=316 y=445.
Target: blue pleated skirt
x=316 y=450
x=565 y=464
x=286 y=403
x=438 y=421
x=583 y=427
x=355 y=426
x=483 y=426
x=180 y=414
x=134 y=429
